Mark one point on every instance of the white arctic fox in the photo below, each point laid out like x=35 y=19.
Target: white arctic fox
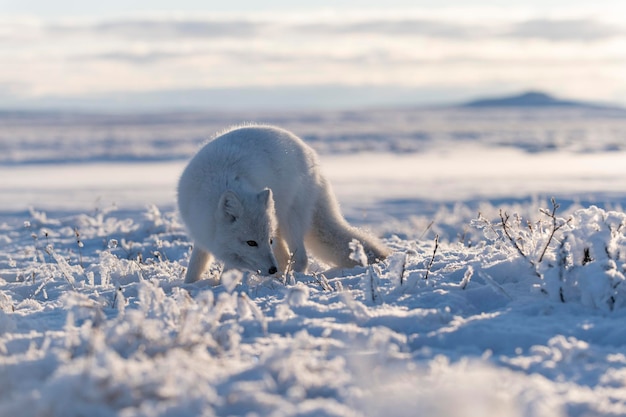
x=253 y=196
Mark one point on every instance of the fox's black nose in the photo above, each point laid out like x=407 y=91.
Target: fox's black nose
x=272 y=270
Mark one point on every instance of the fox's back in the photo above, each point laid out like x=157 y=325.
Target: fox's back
x=256 y=148
x=256 y=157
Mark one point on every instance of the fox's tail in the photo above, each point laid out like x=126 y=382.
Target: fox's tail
x=330 y=234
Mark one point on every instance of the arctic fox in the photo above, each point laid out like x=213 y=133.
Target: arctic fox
x=253 y=196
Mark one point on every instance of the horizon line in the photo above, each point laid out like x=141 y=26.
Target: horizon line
x=293 y=97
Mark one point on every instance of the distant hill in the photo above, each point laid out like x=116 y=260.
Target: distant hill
x=530 y=99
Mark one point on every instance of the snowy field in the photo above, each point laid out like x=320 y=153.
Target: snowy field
x=497 y=301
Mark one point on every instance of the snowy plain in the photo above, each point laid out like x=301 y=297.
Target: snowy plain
x=482 y=310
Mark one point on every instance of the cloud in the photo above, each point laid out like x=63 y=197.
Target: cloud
x=146 y=53
x=10 y=89
x=398 y=27
x=137 y=58
x=155 y=29
x=564 y=30
x=545 y=29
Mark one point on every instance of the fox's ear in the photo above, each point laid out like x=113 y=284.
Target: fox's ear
x=264 y=197
x=230 y=206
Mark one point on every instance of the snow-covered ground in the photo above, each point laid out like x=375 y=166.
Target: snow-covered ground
x=482 y=310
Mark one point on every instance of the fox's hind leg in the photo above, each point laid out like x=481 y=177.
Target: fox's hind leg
x=330 y=234
x=197 y=264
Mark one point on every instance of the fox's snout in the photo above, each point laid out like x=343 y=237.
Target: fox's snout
x=271 y=271
x=272 y=265
x=269 y=267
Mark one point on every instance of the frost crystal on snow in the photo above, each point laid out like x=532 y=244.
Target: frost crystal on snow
x=231 y=278
x=297 y=295
x=357 y=252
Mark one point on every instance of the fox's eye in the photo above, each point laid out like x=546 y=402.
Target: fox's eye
x=271 y=241
x=252 y=243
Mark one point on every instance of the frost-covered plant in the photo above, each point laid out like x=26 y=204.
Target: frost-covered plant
x=576 y=259
x=592 y=259
x=158 y=322
x=371 y=278
x=532 y=241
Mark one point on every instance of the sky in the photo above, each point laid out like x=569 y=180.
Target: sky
x=287 y=54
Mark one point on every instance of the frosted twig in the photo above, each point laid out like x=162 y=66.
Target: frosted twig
x=467 y=277
x=432 y=260
x=65 y=268
x=505 y=227
x=323 y=282
x=427 y=229
x=373 y=282
x=48 y=245
x=80 y=247
x=289 y=269
x=403 y=270
x=555 y=226
x=562 y=259
x=493 y=284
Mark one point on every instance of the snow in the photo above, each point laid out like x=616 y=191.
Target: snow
x=479 y=311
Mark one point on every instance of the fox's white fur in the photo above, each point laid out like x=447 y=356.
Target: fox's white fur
x=253 y=196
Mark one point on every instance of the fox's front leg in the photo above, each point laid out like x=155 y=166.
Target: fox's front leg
x=197 y=264
x=281 y=252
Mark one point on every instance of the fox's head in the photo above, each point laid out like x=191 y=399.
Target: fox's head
x=246 y=223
